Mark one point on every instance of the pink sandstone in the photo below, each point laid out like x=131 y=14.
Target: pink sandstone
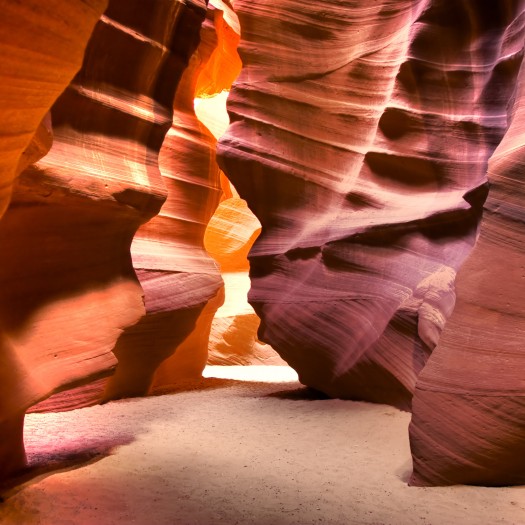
x=360 y=139
x=469 y=403
x=363 y=137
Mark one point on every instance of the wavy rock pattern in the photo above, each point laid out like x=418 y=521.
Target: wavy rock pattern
x=68 y=285
x=39 y=59
x=361 y=136
x=360 y=139
x=182 y=285
x=229 y=236
x=469 y=403
x=42 y=47
x=224 y=64
x=233 y=228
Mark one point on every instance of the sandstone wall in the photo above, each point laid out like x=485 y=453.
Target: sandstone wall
x=363 y=136
x=469 y=403
x=70 y=295
x=360 y=138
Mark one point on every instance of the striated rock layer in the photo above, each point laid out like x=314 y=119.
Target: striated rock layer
x=229 y=236
x=67 y=280
x=233 y=228
x=360 y=137
x=469 y=404
x=182 y=285
x=42 y=47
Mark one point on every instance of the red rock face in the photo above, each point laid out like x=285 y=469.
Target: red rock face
x=42 y=49
x=360 y=138
x=469 y=404
x=182 y=285
x=369 y=205
x=69 y=289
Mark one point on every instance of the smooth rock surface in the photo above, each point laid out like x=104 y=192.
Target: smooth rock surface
x=360 y=139
x=181 y=282
x=42 y=47
x=68 y=285
x=469 y=404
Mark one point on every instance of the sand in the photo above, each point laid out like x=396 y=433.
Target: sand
x=236 y=451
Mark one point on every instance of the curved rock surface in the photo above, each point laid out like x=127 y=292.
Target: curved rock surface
x=68 y=284
x=360 y=139
x=233 y=228
x=469 y=404
x=182 y=284
x=361 y=135
x=42 y=47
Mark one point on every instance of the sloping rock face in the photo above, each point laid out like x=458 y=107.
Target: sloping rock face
x=469 y=405
x=68 y=285
x=42 y=47
x=360 y=138
x=182 y=284
x=233 y=228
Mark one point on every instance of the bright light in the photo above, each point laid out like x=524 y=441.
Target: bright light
x=253 y=373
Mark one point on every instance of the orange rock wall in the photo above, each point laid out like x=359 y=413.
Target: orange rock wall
x=71 y=301
x=42 y=47
x=362 y=137
x=181 y=282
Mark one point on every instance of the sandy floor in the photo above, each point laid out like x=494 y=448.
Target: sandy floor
x=236 y=452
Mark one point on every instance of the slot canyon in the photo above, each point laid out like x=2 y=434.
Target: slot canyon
x=329 y=194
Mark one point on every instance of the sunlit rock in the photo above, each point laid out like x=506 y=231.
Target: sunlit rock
x=233 y=337
x=42 y=49
x=360 y=138
x=68 y=286
x=469 y=403
x=181 y=282
x=233 y=228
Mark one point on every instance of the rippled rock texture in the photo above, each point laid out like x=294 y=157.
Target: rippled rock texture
x=42 y=47
x=182 y=284
x=71 y=302
x=360 y=138
x=469 y=404
x=233 y=228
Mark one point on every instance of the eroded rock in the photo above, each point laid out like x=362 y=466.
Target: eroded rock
x=68 y=285
x=360 y=139
x=469 y=403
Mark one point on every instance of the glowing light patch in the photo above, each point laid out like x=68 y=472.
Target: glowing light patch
x=259 y=374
